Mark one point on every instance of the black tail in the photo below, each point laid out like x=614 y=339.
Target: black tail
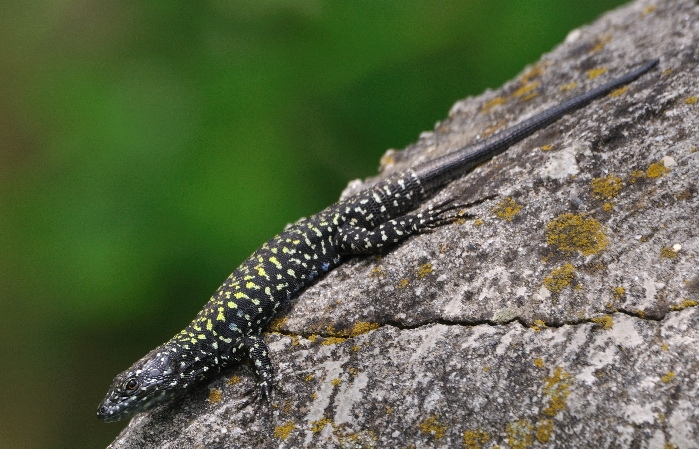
x=447 y=167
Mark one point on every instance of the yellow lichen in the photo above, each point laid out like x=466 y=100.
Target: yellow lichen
x=684 y=195
x=387 y=160
x=361 y=439
x=507 y=209
x=492 y=103
x=618 y=293
x=656 y=170
x=539 y=363
x=665 y=347
x=486 y=368
x=276 y=324
x=377 y=272
x=668 y=253
x=570 y=233
x=686 y=303
x=537 y=70
x=491 y=129
x=691 y=100
x=474 y=439
x=519 y=434
x=336 y=381
x=647 y=10
x=557 y=386
x=668 y=377
x=525 y=89
x=478 y=222
x=356 y=348
x=569 y=86
x=601 y=42
x=424 y=270
x=607 y=207
x=594 y=73
x=537 y=325
x=328 y=341
x=214 y=396
x=559 y=278
x=282 y=432
x=433 y=427
x=636 y=175
x=318 y=426
x=233 y=380
x=606 y=187
x=605 y=322
x=544 y=429
x=402 y=283
x=546 y=148
x=619 y=92
x=312 y=338
x=309 y=378
x=362 y=327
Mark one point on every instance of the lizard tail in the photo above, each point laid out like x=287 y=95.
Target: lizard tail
x=443 y=169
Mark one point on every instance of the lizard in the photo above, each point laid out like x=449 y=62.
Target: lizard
x=229 y=328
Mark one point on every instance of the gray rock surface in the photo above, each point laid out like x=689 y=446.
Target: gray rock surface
x=562 y=315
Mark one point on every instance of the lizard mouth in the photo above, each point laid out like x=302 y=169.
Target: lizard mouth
x=109 y=411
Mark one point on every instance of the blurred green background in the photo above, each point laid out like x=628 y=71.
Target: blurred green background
x=146 y=148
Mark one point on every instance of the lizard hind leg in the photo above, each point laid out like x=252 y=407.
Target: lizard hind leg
x=442 y=214
x=355 y=240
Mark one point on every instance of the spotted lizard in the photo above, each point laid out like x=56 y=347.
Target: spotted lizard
x=229 y=328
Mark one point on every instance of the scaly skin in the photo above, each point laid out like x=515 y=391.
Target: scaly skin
x=230 y=325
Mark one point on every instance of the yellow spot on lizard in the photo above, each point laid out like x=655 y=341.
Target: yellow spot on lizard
x=275 y=262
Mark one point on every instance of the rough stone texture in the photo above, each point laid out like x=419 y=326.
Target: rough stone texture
x=467 y=346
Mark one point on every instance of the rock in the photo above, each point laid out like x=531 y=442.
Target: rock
x=562 y=314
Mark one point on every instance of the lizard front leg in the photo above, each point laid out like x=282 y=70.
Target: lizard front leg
x=259 y=355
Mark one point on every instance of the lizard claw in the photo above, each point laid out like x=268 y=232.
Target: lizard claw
x=439 y=214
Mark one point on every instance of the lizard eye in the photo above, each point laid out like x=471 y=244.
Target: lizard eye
x=131 y=385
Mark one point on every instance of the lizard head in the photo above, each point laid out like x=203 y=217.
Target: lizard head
x=148 y=382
